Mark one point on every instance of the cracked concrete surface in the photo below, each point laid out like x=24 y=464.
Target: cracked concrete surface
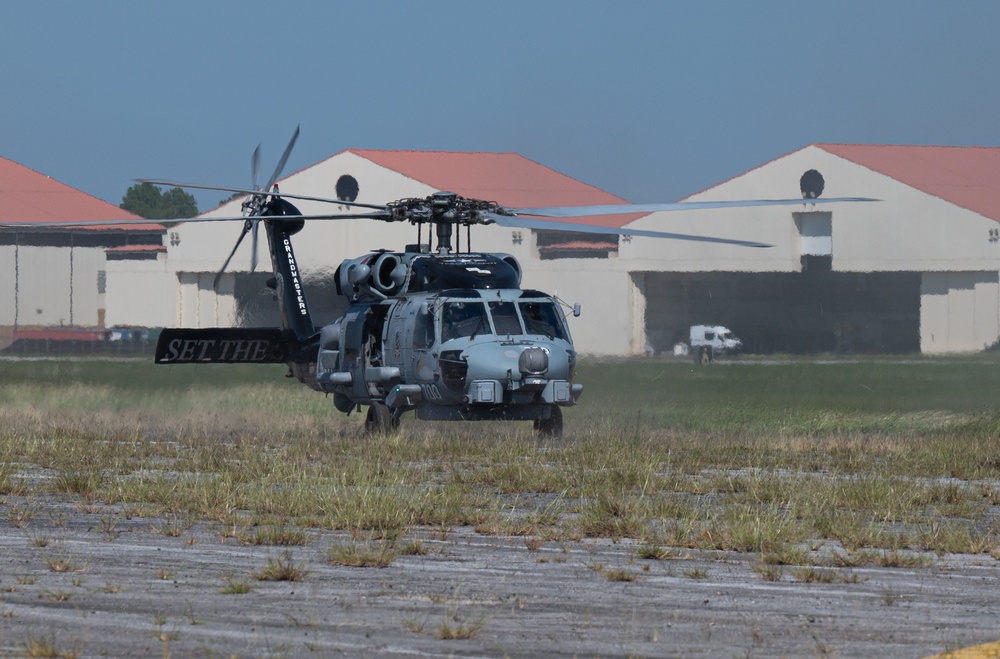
x=73 y=581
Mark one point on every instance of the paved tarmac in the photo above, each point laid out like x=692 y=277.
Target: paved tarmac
x=87 y=583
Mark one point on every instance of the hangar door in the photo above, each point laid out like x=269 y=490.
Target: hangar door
x=813 y=311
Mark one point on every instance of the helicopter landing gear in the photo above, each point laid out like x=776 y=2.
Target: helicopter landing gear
x=380 y=419
x=552 y=426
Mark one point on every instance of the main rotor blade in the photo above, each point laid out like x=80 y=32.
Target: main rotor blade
x=177 y=220
x=287 y=195
x=284 y=159
x=218 y=275
x=547 y=225
x=253 y=246
x=623 y=209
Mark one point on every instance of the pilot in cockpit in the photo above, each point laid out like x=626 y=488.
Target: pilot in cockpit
x=535 y=321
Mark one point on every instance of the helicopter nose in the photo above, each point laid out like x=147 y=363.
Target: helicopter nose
x=533 y=361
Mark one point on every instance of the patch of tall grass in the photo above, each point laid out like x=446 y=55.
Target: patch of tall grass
x=735 y=457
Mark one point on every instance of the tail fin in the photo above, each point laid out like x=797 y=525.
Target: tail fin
x=291 y=293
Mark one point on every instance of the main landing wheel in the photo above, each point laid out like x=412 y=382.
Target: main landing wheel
x=380 y=419
x=552 y=426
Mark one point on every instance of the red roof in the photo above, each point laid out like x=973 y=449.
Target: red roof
x=29 y=196
x=579 y=245
x=966 y=176
x=509 y=179
x=137 y=248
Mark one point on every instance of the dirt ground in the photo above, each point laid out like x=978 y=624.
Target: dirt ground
x=83 y=582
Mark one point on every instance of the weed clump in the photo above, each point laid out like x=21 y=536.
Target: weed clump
x=282 y=568
x=363 y=554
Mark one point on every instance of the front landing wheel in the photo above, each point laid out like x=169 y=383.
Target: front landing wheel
x=380 y=419
x=552 y=426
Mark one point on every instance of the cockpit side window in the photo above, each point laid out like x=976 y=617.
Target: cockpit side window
x=542 y=318
x=505 y=319
x=423 y=330
x=460 y=319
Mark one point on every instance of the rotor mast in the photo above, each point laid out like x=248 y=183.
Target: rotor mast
x=444 y=213
x=444 y=232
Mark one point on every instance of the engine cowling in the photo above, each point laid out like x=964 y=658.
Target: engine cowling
x=388 y=273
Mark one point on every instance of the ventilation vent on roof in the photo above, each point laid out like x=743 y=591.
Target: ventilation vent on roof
x=347 y=188
x=811 y=184
x=815 y=233
x=572 y=245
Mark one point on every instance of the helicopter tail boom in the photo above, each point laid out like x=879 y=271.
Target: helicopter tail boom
x=288 y=284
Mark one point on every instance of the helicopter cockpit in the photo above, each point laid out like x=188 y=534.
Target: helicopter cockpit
x=470 y=318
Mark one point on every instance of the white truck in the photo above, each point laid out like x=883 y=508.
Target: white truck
x=707 y=341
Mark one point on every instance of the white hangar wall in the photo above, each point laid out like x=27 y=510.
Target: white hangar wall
x=199 y=304
x=50 y=285
x=41 y=282
x=905 y=230
x=140 y=292
x=88 y=301
x=959 y=311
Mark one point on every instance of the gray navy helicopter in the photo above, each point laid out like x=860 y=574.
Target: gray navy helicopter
x=446 y=334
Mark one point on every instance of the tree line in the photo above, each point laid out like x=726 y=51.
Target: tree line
x=149 y=201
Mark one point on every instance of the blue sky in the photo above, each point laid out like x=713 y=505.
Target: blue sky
x=649 y=100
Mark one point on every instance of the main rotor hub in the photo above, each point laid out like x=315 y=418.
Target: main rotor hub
x=444 y=210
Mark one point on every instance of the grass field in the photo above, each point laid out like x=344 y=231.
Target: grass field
x=834 y=464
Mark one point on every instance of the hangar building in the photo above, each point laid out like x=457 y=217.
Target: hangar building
x=57 y=277
x=915 y=271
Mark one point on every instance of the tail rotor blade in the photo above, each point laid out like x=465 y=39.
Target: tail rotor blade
x=255 y=209
x=284 y=159
x=218 y=275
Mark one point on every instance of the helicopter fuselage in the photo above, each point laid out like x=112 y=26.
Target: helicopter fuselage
x=449 y=336
x=458 y=354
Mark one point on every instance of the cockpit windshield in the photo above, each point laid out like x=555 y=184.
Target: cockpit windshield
x=505 y=318
x=466 y=318
x=542 y=318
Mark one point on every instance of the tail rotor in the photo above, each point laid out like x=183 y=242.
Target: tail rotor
x=256 y=205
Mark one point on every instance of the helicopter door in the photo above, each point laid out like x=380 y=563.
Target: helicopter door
x=352 y=347
x=419 y=367
x=373 y=355
x=372 y=336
